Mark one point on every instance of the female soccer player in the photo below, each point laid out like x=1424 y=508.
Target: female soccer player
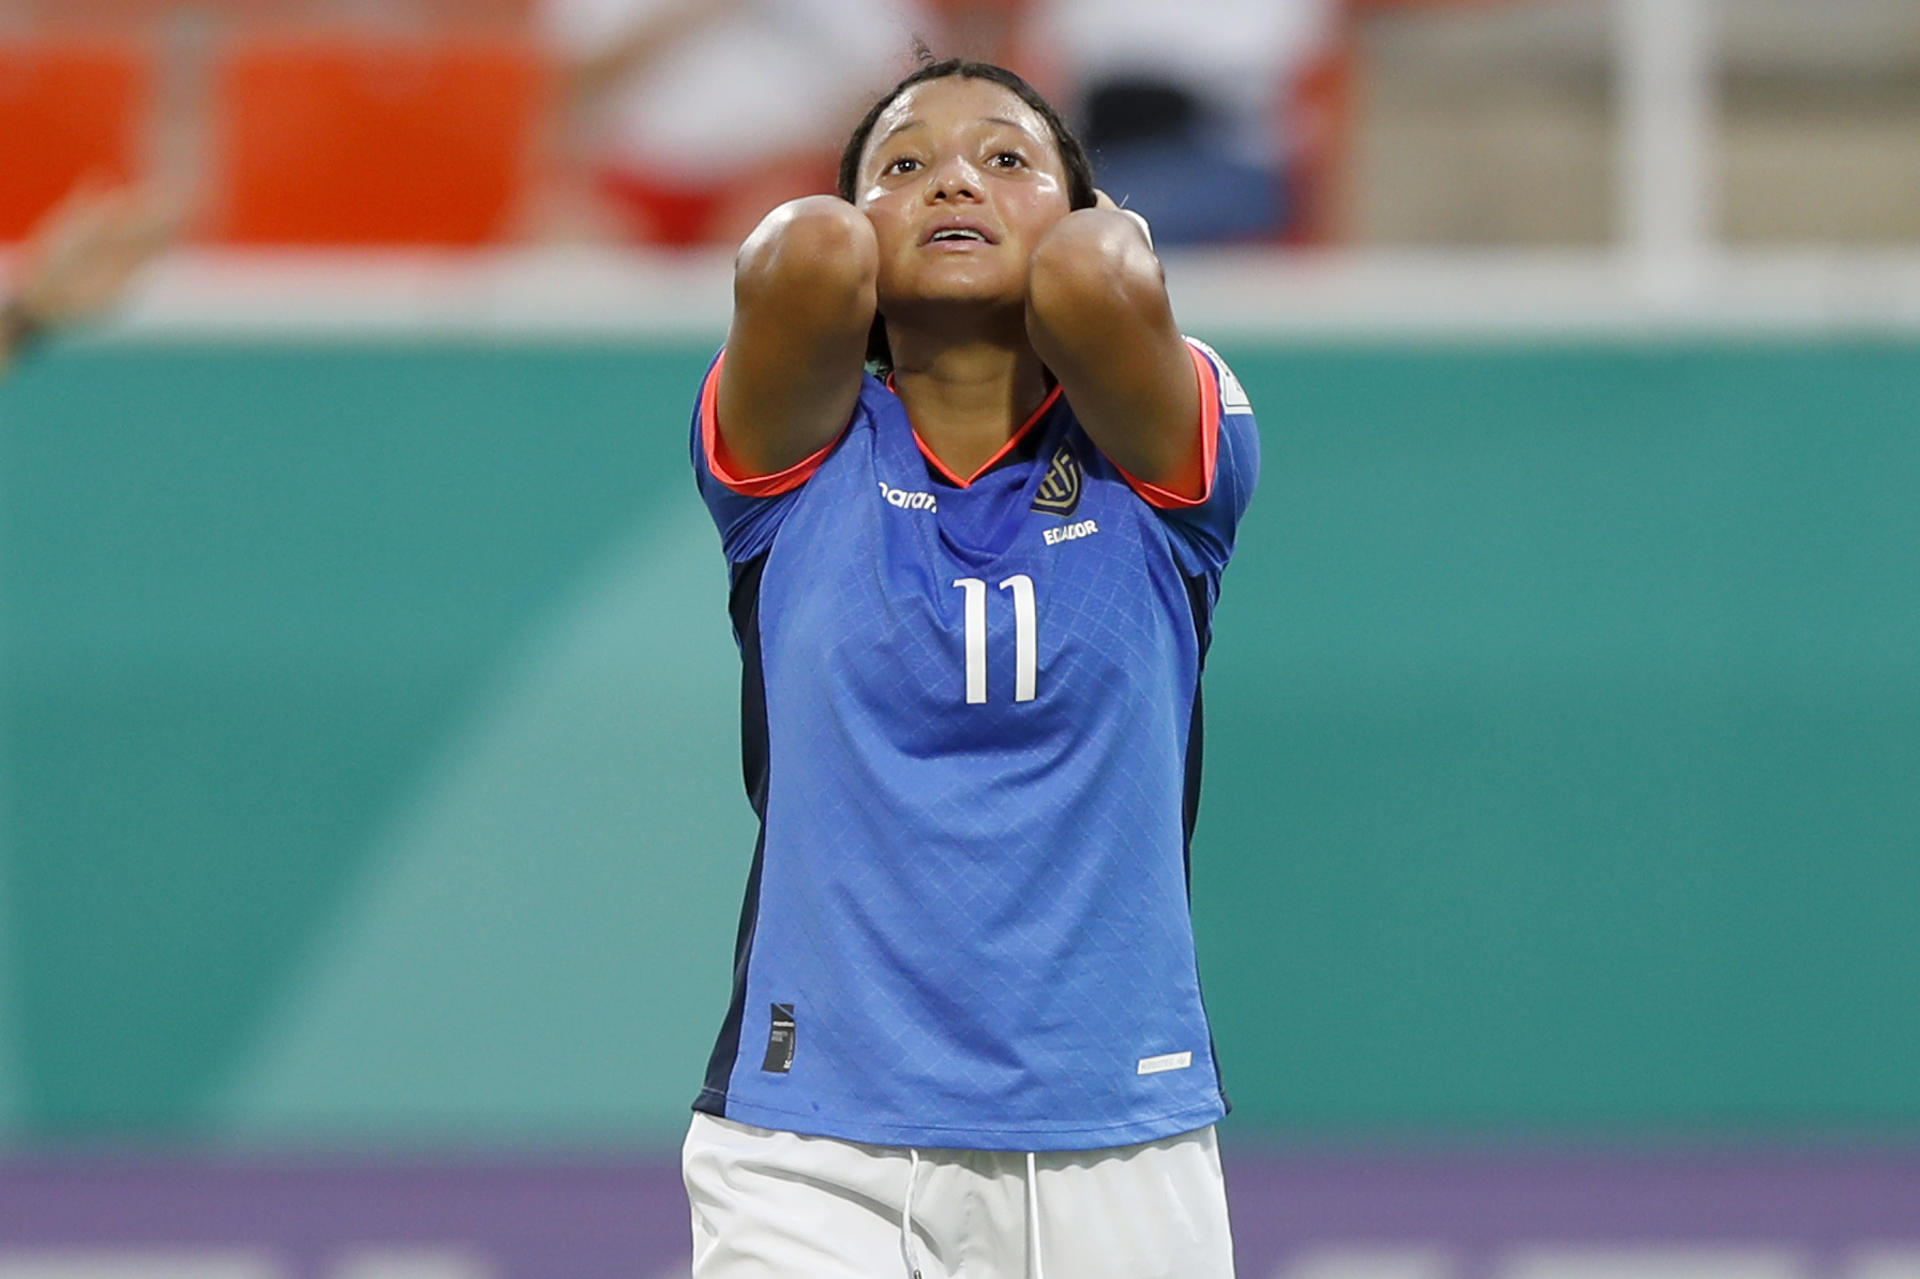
x=972 y=595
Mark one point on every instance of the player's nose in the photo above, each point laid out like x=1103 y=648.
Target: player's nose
x=954 y=178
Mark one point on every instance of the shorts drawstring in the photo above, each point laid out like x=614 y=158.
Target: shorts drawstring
x=910 y=1252
x=1033 y=1219
x=907 y=1248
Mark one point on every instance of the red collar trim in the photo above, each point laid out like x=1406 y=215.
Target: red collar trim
x=946 y=472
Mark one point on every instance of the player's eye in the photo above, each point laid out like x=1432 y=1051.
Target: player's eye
x=901 y=164
x=1008 y=160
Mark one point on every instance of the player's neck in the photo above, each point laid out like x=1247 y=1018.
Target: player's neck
x=966 y=400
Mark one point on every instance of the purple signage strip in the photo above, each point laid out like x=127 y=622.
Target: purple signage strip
x=1381 y=1214
x=1485 y=1215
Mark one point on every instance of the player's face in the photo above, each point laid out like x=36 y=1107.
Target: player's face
x=960 y=179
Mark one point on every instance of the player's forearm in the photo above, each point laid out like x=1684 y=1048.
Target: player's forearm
x=803 y=304
x=814 y=264
x=1099 y=317
x=1092 y=281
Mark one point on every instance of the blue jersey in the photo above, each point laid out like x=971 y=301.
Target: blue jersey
x=971 y=726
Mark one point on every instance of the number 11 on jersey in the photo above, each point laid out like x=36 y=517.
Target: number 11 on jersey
x=1026 y=637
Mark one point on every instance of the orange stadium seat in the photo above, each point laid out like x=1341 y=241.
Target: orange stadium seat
x=225 y=15
x=70 y=108
x=346 y=140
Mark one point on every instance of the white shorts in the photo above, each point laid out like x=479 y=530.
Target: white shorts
x=779 y=1205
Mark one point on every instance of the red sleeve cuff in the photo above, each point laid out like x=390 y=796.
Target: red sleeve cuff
x=1166 y=499
x=723 y=468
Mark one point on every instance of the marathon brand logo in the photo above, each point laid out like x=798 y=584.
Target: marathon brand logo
x=780 y=1037
x=907 y=500
x=1060 y=488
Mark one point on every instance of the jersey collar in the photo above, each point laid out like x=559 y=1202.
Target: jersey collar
x=945 y=472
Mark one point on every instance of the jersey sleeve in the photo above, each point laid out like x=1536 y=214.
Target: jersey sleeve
x=748 y=509
x=1204 y=526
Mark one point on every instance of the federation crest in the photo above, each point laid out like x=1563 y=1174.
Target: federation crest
x=1060 y=488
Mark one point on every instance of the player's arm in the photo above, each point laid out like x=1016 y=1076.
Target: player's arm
x=803 y=303
x=644 y=40
x=1098 y=315
x=79 y=260
x=17 y=328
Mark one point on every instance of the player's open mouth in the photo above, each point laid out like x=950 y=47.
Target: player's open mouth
x=959 y=233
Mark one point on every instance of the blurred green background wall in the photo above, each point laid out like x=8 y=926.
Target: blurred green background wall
x=369 y=770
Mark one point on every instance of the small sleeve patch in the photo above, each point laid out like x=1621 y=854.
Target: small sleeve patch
x=1165 y=1062
x=1233 y=396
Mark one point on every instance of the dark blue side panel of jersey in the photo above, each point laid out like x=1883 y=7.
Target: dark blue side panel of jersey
x=1200 y=598
x=744 y=605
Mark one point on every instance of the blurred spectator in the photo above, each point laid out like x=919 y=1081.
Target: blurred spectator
x=1186 y=106
x=78 y=261
x=697 y=116
x=984 y=30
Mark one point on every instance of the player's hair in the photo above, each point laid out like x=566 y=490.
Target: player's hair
x=1073 y=153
